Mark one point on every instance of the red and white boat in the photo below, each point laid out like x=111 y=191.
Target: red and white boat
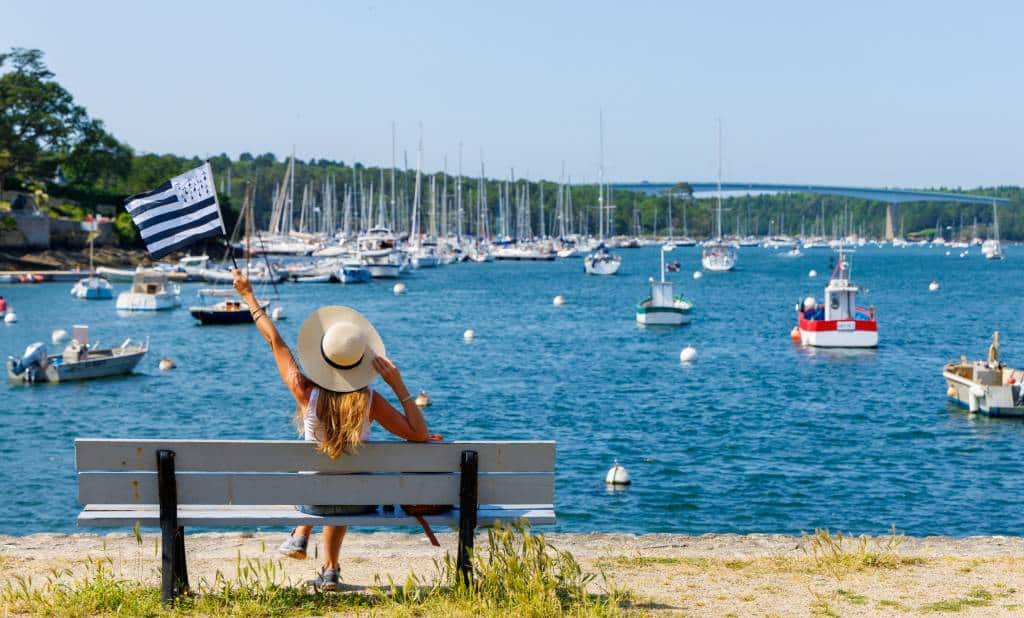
x=838 y=322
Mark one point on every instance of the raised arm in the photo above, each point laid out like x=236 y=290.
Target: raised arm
x=286 y=365
x=411 y=425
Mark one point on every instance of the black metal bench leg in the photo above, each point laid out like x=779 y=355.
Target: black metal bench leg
x=173 y=568
x=468 y=503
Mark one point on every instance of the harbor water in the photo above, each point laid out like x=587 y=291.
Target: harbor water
x=756 y=435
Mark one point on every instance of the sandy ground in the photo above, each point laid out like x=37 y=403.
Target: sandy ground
x=714 y=575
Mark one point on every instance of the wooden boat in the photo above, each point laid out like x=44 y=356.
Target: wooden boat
x=78 y=361
x=986 y=386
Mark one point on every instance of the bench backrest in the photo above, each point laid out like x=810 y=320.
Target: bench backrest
x=249 y=472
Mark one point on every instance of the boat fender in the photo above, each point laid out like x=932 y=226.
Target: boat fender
x=951 y=392
x=795 y=333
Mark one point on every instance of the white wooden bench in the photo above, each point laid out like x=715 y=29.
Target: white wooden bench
x=248 y=483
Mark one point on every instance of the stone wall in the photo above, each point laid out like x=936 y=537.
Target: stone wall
x=33 y=231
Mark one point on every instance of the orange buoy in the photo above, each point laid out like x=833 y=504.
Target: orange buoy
x=795 y=333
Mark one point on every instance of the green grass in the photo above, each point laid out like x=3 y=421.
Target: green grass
x=519 y=573
x=975 y=597
x=852 y=597
x=640 y=562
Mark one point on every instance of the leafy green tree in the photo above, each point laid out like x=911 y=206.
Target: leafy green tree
x=37 y=115
x=97 y=157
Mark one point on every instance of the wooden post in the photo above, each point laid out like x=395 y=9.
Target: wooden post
x=174 y=572
x=468 y=504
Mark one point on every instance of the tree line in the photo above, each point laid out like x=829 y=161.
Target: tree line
x=50 y=144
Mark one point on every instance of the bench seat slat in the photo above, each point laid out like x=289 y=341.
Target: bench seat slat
x=283 y=515
x=234 y=488
x=294 y=455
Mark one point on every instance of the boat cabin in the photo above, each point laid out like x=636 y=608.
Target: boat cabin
x=149 y=283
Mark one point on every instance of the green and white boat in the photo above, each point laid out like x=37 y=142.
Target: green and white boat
x=662 y=308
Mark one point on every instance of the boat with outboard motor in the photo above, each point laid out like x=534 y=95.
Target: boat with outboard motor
x=80 y=360
x=986 y=386
x=838 y=322
x=662 y=307
x=93 y=288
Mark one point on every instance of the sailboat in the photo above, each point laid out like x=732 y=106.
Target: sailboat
x=717 y=255
x=661 y=307
x=991 y=248
x=92 y=287
x=601 y=261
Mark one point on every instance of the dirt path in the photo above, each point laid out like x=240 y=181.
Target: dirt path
x=713 y=575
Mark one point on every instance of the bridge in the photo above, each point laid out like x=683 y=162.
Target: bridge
x=891 y=197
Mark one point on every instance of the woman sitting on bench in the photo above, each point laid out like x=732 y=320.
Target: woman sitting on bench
x=341 y=354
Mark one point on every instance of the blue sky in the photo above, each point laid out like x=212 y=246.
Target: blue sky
x=867 y=93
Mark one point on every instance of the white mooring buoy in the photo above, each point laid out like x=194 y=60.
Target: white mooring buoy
x=933 y=286
x=558 y=301
x=469 y=335
x=812 y=274
x=688 y=354
x=11 y=317
x=59 y=336
x=277 y=314
x=166 y=364
x=398 y=289
x=617 y=475
x=423 y=400
x=697 y=274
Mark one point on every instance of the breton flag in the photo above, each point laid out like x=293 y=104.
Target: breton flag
x=178 y=213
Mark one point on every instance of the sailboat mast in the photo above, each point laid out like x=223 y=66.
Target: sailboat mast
x=718 y=216
x=600 y=177
x=393 y=189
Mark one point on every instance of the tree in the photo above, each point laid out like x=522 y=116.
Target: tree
x=97 y=157
x=37 y=115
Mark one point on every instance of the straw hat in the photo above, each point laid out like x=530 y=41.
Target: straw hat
x=337 y=346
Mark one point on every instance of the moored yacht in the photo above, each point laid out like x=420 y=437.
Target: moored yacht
x=379 y=254
x=150 y=292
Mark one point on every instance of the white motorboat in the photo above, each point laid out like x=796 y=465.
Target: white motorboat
x=601 y=262
x=662 y=307
x=378 y=253
x=793 y=253
x=150 y=292
x=425 y=256
x=838 y=322
x=93 y=288
x=78 y=361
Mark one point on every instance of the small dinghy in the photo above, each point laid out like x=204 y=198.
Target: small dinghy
x=352 y=271
x=601 y=262
x=986 y=386
x=78 y=361
x=661 y=307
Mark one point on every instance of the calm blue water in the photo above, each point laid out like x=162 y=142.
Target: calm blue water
x=756 y=436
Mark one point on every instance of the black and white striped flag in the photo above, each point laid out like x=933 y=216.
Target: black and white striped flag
x=178 y=213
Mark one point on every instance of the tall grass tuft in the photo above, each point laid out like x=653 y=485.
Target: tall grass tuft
x=839 y=554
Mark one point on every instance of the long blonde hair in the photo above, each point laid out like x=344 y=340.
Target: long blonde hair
x=342 y=417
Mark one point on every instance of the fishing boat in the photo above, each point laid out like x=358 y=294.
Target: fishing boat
x=986 y=386
x=718 y=255
x=80 y=360
x=601 y=262
x=661 y=307
x=93 y=288
x=838 y=322
x=150 y=292
x=231 y=310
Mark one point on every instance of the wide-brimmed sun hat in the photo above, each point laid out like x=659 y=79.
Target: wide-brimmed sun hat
x=337 y=346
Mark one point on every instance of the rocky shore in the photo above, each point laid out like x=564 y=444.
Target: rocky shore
x=713 y=575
